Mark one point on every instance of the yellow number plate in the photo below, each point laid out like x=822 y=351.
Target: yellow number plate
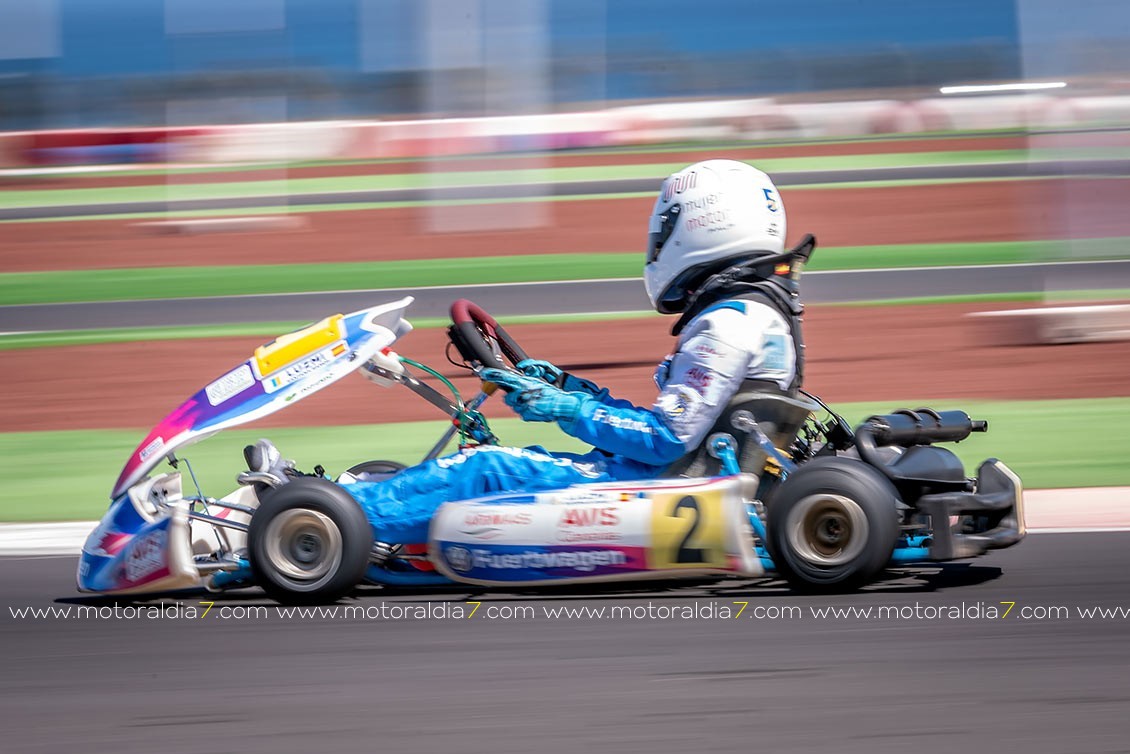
x=293 y=346
x=687 y=531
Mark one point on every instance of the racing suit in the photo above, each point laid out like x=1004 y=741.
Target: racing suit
x=729 y=337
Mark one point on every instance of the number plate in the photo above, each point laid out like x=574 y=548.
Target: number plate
x=688 y=530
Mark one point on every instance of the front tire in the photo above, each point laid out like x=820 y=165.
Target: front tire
x=832 y=525
x=308 y=542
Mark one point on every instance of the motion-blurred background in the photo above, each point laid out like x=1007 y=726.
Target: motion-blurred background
x=182 y=180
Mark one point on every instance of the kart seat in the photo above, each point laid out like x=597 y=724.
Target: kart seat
x=266 y=467
x=779 y=414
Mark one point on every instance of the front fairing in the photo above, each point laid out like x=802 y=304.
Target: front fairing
x=138 y=547
x=279 y=374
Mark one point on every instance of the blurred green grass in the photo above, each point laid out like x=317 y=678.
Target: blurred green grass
x=49 y=476
x=179 y=282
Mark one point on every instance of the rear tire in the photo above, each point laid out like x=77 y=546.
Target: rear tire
x=832 y=525
x=308 y=542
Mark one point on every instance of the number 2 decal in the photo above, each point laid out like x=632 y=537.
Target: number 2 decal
x=684 y=553
x=688 y=530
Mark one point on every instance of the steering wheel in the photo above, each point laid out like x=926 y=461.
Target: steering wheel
x=480 y=339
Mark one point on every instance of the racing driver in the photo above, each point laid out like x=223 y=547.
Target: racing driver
x=715 y=256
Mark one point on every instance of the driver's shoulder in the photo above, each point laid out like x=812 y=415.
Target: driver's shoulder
x=735 y=321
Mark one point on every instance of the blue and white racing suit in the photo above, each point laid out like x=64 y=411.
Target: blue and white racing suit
x=725 y=344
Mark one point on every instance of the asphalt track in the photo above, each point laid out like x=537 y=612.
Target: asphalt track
x=568 y=297
x=277 y=684
x=960 y=171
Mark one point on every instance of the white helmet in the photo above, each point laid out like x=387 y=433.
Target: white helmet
x=708 y=213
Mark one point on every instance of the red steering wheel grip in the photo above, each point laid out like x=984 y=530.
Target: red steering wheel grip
x=473 y=325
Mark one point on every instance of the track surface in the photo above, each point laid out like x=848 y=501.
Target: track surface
x=1037 y=210
x=570 y=297
x=803 y=685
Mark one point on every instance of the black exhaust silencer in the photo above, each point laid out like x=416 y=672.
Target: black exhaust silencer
x=922 y=426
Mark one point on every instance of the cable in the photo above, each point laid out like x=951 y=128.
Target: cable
x=423 y=367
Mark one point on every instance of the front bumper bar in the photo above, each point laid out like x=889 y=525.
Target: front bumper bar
x=989 y=518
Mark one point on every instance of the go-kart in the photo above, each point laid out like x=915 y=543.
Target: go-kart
x=800 y=493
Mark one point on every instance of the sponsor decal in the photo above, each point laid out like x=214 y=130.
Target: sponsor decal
x=232 y=383
x=773 y=353
x=577 y=560
x=702 y=203
x=317 y=384
x=705 y=349
x=678 y=406
x=679 y=183
x=590 y=516
x=146 y=556
x=698 y=378
x=488 y=525
x=602 y=416
x=589 y=524
x=296 y=372
x=580 y=496
x=148 y=451
x=459 y=558
x=718 y=219
x=304 y=368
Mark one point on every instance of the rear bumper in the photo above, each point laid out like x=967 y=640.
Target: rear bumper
x=989 y=518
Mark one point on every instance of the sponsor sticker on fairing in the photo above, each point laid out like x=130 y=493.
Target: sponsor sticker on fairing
x=491 y=524
x=459 y=558
x=232 y=383
x=303 y=368
x=584 y=561
x=145 y=557
x=148 y=451
x=537 y=562
x=590 y=523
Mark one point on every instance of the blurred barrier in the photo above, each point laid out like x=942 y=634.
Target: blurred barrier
x=655 y=123
x=1053 y=325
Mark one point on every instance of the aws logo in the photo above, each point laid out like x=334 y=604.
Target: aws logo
x=594 y=516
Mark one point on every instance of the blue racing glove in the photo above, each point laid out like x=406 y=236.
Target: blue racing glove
x=558 y=377
x=534 y=400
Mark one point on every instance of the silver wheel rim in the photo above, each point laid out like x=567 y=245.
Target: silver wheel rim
x=304 y=546
x=827 y=530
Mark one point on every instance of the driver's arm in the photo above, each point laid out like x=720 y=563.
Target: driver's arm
x=703 y=376
x=624 y=429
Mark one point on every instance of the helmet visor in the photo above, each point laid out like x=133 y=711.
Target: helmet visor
x=662 y=226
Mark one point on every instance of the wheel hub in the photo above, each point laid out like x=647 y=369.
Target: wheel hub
x=827 y=530
x=303 y=545
x=307 y=548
